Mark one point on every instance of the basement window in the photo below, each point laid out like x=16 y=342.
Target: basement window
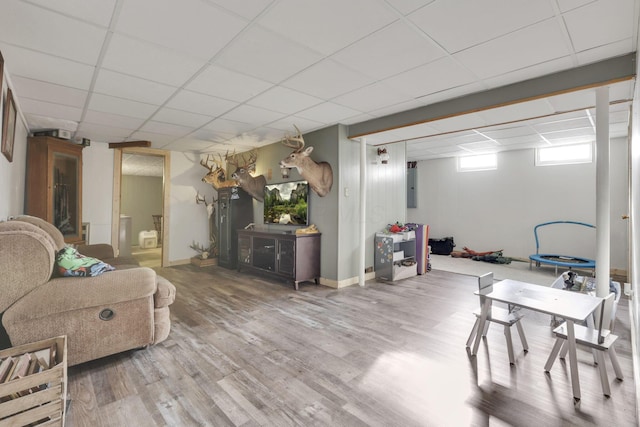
x=482 y=162
x=564 y=154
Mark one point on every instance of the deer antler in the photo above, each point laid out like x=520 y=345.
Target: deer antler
x=245 y=163
x=205 y=163
x=201 y=199
x=295 y=142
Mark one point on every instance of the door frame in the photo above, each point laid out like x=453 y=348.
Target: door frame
x=117 y=197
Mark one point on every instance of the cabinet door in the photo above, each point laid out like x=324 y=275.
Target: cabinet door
x=286 y=257
x=264 y=253
x=244 y=250
x=66 y=194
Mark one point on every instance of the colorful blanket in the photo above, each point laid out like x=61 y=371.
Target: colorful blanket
x=72 y=263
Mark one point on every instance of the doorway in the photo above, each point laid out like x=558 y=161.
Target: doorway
x=139 y=225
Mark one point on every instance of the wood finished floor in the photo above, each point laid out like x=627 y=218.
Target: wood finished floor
x=244 y=351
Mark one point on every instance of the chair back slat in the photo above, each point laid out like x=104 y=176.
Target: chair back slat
x=605 y=315
x=485 y=283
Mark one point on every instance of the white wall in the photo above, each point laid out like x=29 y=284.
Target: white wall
x=498 y=209
x=188 y=221
x=12 y=174
x=97 y=191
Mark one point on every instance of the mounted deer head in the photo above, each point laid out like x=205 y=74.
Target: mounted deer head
x=245 y=166
x=319 y=175
x=217 y=172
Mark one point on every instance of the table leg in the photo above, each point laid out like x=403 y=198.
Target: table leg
x=573 y=360
x=483 y=319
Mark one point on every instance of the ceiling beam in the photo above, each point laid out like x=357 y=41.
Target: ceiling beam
x=130 y=144
x=609 y=71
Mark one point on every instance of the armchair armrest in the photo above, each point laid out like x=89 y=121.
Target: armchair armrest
x=101 y=251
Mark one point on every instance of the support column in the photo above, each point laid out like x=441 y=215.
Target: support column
x=363 y=209
x=603 y=193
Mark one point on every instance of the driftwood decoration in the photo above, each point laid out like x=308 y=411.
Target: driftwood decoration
x=319 y=175
x=212 y=249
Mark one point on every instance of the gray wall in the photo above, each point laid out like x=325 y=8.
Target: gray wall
x=141 y=198
x=323 y=211
x=498 y=209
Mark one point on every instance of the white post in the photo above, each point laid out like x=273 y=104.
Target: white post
x=363 y=208
x=603 y=193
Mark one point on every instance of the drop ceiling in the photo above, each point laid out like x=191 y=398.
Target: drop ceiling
x=209 y=76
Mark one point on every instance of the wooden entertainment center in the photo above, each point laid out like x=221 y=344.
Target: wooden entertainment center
x=289 y=256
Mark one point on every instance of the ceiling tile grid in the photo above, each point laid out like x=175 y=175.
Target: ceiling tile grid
x=203 y=75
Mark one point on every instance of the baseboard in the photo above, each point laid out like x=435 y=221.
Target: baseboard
x=179 y=262
x=337 y=284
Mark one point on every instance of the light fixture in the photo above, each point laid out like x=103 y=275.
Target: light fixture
x=285 y=172
x=383 y=156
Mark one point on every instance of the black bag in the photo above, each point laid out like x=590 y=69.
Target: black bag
x=442 y=246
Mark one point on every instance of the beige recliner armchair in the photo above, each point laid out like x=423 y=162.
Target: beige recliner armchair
x=116 y=311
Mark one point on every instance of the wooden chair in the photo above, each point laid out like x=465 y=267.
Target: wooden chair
x=600 y=340
x=502 y=316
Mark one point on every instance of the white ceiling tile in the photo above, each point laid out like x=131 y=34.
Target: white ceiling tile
x=450 y=74
x=601 y=23
x=525 y=140
x=328 y=113
x=570 y=133
x=389 y=51
x=558 y=124
x=192 y=27
x=110 y=104
x=157 y=140
x=284 y=100
x=372 y=97
x=227 y=84
x=107 y=133
x=305 y=125
x=334 y=25
x=479 y=146
x=191 y=145
x=610 y=50
x=47 y=109
x=35 y=121
x=23 y=25
x=477 y=22
x=35 y=89
x=95 y=11
x=229 y=127
x=566 y=5
x=115 y=120
x=179 y=117
x=255 y=115
x=246 y=9
x=201 y=104
x=166 y=129
x=46 y=68
x=530 y=46
x=140 y=59
x=327 y=80
x=507 y=131
x=266 y=55
x=208 y=135
x=133 y=88
x=405 y=7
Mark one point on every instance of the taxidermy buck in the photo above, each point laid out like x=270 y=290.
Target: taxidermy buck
x=319 y=175
x=217 y=173
x=254 y=186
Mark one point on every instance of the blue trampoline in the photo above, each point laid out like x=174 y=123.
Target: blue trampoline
x=556 y=260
